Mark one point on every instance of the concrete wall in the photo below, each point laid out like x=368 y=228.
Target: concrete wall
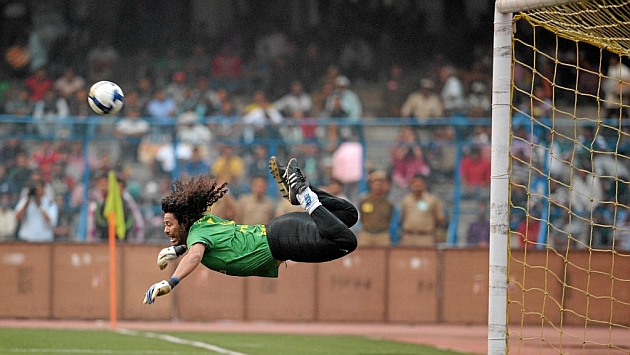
x=396 y=285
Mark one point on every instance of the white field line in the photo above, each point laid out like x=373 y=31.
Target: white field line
x=92 y=351
x=176 y=340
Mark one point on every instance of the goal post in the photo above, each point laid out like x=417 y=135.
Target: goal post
x=559 y=254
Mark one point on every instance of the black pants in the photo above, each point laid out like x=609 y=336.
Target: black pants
x=324 y=235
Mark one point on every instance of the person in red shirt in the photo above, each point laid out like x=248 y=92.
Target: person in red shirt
x=475 y=173
x=38 y=83
x=45 y=157
x=227 y=68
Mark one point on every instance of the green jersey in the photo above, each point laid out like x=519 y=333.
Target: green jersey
x=232 y=249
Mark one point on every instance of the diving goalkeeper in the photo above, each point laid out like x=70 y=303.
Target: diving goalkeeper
x=319 y=235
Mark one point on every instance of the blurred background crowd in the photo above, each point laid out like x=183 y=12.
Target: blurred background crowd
x=386 y=103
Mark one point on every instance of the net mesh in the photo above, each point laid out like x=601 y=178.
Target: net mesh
x=569 y=227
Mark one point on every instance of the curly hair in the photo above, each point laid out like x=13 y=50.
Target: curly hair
x=190 y=199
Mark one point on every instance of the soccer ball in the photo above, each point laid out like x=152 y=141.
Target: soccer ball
x=106 y=98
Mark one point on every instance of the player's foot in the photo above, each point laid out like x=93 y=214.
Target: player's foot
x=296 y=181
x=278 y=171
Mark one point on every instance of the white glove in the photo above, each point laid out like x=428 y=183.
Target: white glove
x=161 y=288
x=169 y=254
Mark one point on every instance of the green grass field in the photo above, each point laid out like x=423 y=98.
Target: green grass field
x=89 y=342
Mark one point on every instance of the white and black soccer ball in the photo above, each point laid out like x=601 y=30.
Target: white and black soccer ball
x=106 y=98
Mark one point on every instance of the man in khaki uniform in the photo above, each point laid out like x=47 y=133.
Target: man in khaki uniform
x=255 y=207
x=376 y=212
x=421 y=215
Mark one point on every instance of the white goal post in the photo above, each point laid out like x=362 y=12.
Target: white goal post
x=503 y=107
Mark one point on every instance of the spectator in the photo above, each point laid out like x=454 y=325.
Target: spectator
x=475 y=174
x=20 y=173
x=161 y=110
x=256 y=76
x=296 y=102
x=130 y=130
x=61 y=184
x=167 y=158
x=528 y=231
x=395 y=91
x=229 y=167
x=5 y=184
x=225 y=123
x=196 y=165
x=261 y=119
x=350 y=101
x=207 y=100
x=145 y=90
x=192 y=133
x=323 y=87
x=296 y=105
x=8 y=219
x=20 y=105
x=176 y=88
x=227 y=69
x=407 y=160
x=616 y=86
x=376 y=212
x=255 y=207
x=132 y=103
x=335 y=188
x=452 y=93
x=478 y=234
x=478 y=101
x=136 y=233
x=422 y=214
x=49 y=111
x=424 y=103
x=69 y=83
x=10 y=149
x=257 y=161
x=161 y=106
x=79 y=109
x=37 y=215
x=190 y=103
x=38 y=84
x=44 y=157
x=102 y=60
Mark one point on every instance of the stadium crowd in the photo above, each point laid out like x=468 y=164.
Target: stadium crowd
x=228 y=111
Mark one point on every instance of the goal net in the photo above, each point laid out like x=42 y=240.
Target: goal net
x=560 y=197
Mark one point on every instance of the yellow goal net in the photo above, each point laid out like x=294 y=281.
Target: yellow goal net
x=560 y=193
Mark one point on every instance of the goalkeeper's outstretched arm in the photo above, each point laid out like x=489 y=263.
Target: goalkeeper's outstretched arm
x=189 y=263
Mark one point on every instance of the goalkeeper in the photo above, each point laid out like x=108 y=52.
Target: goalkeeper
x=322 y=234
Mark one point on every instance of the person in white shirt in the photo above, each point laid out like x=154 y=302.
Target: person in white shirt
x=8 y=221
x=37 y=215
x=616 y=85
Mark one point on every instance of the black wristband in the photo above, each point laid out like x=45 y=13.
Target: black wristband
x=180 y=250
x=173 y=281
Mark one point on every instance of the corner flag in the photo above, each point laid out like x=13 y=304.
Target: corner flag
x=114 y=204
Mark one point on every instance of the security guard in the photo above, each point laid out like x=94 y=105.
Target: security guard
x=376 y=212
x=421 y=216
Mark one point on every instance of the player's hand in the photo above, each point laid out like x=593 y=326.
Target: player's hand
x=158 y=289
x=169 y=254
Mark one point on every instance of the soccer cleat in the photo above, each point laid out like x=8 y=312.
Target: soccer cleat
x=296 y=181
x=278 y=171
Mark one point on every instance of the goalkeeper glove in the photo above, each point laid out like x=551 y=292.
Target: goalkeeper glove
x=169 y=254
x=159 y=289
